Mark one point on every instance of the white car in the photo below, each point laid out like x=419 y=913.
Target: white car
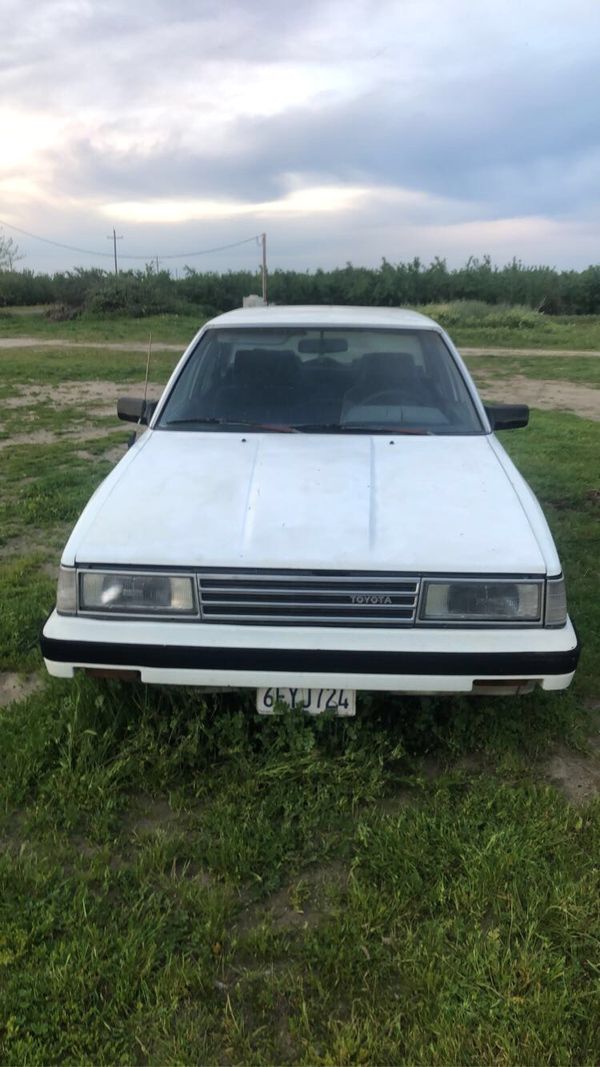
x=319 y=506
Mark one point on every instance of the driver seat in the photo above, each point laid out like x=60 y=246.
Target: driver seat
x=381 y=372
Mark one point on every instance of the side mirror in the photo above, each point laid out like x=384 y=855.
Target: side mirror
x=135 y=409
x=507 y=416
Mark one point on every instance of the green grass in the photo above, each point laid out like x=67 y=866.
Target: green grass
x=563 y=334
x=48 y=416
x=461 y=928
x=25 y=591
x=470 y=323
x=36 y=496
x=182 y=882
x=585 y=371
x=474 y=324
x=305 y=896
x=170 y=329
x=49 y=366
x=556 y=455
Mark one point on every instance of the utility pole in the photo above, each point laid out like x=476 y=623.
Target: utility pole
x=263 y=238
x=114 y=238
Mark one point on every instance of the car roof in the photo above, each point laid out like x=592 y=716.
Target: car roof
x=320 y=315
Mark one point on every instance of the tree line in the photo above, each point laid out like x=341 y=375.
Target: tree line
x=155 y=291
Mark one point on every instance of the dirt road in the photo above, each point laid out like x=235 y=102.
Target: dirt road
x=116 y=346
x=547 y=394
x=142 y=346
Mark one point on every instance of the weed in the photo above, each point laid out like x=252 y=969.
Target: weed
x=183 y=881
x=584 y=371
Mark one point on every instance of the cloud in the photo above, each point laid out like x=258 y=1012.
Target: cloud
x=306 y=201
x=348 y=126
x=466 y=145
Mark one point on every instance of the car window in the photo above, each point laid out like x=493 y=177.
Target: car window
x=329 y=380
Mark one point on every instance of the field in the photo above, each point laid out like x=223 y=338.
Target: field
x=181 y=882
x=470 y=323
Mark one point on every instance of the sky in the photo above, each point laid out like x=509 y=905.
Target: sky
x=346 y=130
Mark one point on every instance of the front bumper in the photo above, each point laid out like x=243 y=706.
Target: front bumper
x=417 y=660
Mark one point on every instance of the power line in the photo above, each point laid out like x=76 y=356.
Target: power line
x=147 y=258
x=57 y=244
x=205 y=251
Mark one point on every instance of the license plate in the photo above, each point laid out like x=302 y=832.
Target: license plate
x=340 y=702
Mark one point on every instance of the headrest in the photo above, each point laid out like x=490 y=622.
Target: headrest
x=265 y=365
x=386 y=366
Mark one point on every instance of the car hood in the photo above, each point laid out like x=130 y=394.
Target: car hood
x=356 y=502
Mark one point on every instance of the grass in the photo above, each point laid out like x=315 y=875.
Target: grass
x=437 y=937
x=474 y=324
x=181 y=882
x=470 y=323
x=170 y=329
x=584 y=371
x=48 y=416
x=555 y=454
x=51 y=366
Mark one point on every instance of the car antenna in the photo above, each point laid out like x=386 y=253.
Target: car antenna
x=147 y=368
x=133 y=436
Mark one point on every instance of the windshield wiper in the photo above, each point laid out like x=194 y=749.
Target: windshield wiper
x=268 y=427
x=194 y=422
x=308 y=427
x=358 y=427
x=330 y=427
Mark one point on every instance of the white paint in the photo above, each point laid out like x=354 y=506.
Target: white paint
x=331 y=638
x=325 y=315
x=409 y=684
x=136 y=631
x=417 y=504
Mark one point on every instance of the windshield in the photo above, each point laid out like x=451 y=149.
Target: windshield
x=321 y=381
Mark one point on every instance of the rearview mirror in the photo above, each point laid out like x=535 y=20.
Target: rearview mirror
x=135 y=409
x=507 y=416
x=318 y=346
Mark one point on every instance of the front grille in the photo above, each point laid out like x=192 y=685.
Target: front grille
x=315 y=598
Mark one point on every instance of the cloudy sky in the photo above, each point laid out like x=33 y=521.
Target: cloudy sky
x=345 y=129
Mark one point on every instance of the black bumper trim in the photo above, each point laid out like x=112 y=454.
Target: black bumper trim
x=183 y=657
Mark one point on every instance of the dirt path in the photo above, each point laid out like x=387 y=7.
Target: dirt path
x=101 y=395
x=142 y=346
x=115 y=346
x=99 y=392
x=511 y=352
x=97 y=395
x=549 y=395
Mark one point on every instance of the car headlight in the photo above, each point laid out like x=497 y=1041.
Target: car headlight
x=120 y=593
x=482 y=601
